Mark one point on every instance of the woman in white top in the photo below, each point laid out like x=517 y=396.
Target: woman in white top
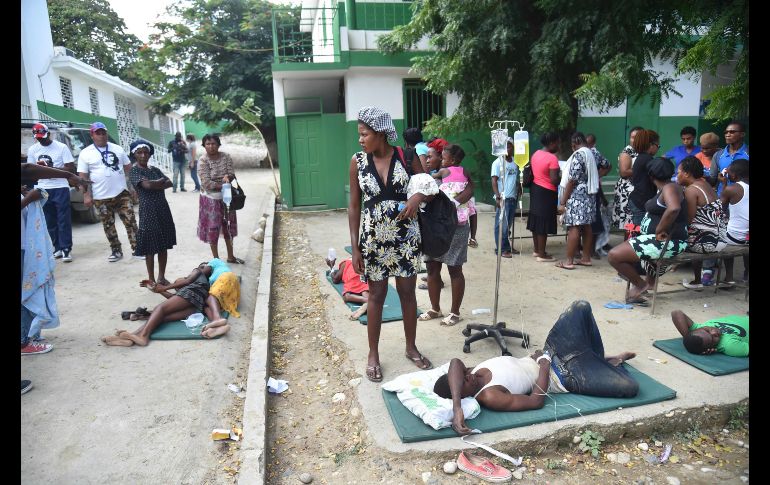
x=737 y=195
x=573 y=361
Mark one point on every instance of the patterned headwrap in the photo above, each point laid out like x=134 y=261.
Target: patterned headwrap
x=379 y=121
x=142 y=144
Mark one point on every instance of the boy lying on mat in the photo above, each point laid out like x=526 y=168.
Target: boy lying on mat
x=192 y=296
x=573 y=361
x=353 y=289
x=728 y=335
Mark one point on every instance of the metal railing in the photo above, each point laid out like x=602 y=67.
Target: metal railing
x=306 y=35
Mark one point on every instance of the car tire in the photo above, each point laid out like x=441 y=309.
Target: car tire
x=90 y=215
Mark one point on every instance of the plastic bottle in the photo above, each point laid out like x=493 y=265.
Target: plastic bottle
x=227 y=194
x=332 y=255
x=706 y=276
x=520 y=148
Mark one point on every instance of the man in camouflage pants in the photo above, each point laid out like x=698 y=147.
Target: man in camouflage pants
x=106 y=165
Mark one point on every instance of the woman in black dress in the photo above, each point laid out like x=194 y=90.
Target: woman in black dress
x=157 y=233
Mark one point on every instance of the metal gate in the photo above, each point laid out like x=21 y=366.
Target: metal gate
x=127 y=123
x=420 y=104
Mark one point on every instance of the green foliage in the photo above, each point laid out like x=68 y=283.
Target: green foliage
x=533 y=61
x=692 y=433
x=738 y=417
x=224 y=48
x=555 y=464
x=590 y=441
x=97 y=36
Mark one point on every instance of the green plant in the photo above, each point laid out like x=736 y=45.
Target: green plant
x=554 y=464
x=738 y=416
x=691 y=434
x=590 y=441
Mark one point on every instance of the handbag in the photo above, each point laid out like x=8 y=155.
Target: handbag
x=527 y=177
x=239 y=198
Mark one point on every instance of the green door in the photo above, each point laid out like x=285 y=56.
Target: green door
x=644 y=113
x=305 y=156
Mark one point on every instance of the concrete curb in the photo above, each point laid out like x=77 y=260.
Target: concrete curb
x=252 y=470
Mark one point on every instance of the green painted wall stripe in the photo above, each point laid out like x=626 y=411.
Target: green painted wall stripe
x=150 y=134
x=61 y=113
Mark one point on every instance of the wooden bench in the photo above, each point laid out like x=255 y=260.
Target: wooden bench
x=685 y=257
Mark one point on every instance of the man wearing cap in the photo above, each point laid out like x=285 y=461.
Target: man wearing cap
x=107 y=166
x=58 y=216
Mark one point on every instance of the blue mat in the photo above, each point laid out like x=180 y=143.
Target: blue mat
x=411 y=429
x=715 y=364
x=177 y=330
x=391 y=310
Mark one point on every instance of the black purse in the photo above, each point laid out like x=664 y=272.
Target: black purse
x=239 y=198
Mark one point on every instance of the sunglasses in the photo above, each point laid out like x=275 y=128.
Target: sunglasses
x=730 y=132
x=39 y=132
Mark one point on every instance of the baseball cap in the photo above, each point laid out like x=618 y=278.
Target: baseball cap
x=39 y=130
x=98 y=126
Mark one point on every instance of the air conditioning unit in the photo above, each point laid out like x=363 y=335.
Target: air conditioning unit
x=62 y=51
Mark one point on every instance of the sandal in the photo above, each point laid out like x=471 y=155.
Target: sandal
x=422 y=362
x=451 y=319
x=240 y=261
x=374 y=373
x=548 y=259
x=563 y=265
x=472 y=243
x=142 y=311
x=430 y=315
x=126 y=315
x=580 y=263
x=639 y=301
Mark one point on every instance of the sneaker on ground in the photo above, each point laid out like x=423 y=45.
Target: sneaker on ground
x=692 y=285
x=36 y=348
x=25 y=386
x=196 y=190
x=482 y=468
x=57 y=254
x=66 y=256
x=134 y=255
x=183 y=190
x=115 y=256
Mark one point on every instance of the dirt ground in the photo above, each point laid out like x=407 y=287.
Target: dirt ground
x=308 y=432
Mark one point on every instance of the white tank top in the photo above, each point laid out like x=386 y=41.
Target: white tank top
x=738 y=225
x=516 y=375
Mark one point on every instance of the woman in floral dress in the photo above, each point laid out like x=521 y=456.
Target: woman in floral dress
x=621 y=212
x=389 y=241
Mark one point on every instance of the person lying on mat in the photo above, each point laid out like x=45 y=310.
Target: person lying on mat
x=728 y=335
x=573 y=360
x=192 y=296
x=353 y=289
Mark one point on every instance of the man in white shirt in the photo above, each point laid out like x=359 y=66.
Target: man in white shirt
x=107 y=166
x=58 y=216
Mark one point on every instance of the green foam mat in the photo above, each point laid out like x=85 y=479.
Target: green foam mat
x=421 y=269
x=391 y=311
x=715 y=364
x=411 y=429
x=177 y=330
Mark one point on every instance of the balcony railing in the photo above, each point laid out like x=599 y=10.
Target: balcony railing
x=306 y=35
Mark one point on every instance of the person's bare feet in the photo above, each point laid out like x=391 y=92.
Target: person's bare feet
x=117 y=341
x=356 y=314
x=163 y=281
x=616 y=360
x=212 y=332
x=141 y=341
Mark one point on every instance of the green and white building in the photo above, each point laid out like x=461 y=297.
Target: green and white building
x=55 y=85
x=328 y=67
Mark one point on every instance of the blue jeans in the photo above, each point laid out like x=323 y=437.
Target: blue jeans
x=58 y=218
x=179 y=174
x=194 y=175
x=510 y=214
x=26 y=315
x=577 y=354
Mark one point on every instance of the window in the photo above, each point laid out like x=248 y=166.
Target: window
x=93 y=94
x=420 y=104
x=66 y=92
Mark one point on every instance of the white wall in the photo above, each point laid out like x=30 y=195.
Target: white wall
x=452 y=103
x=380 y=87
x=36 y=50
x=278 y=97
x=619 y=111
x=689 y=103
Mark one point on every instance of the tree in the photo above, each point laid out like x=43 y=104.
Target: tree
x=533 y=61
x=97 y=36
x=222 y=47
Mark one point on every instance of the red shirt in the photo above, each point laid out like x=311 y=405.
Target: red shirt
x=542 y=162
x=351 y=281
x=704 y=160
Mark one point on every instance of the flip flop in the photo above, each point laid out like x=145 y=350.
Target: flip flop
x=561 y=265
x=540 y=259
x=126 y=315
x=372 y=371
x=429 y=315
x=580 y=263
x=239 y=261
x=615 y=305
x=426 y=364
x=639 y=301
